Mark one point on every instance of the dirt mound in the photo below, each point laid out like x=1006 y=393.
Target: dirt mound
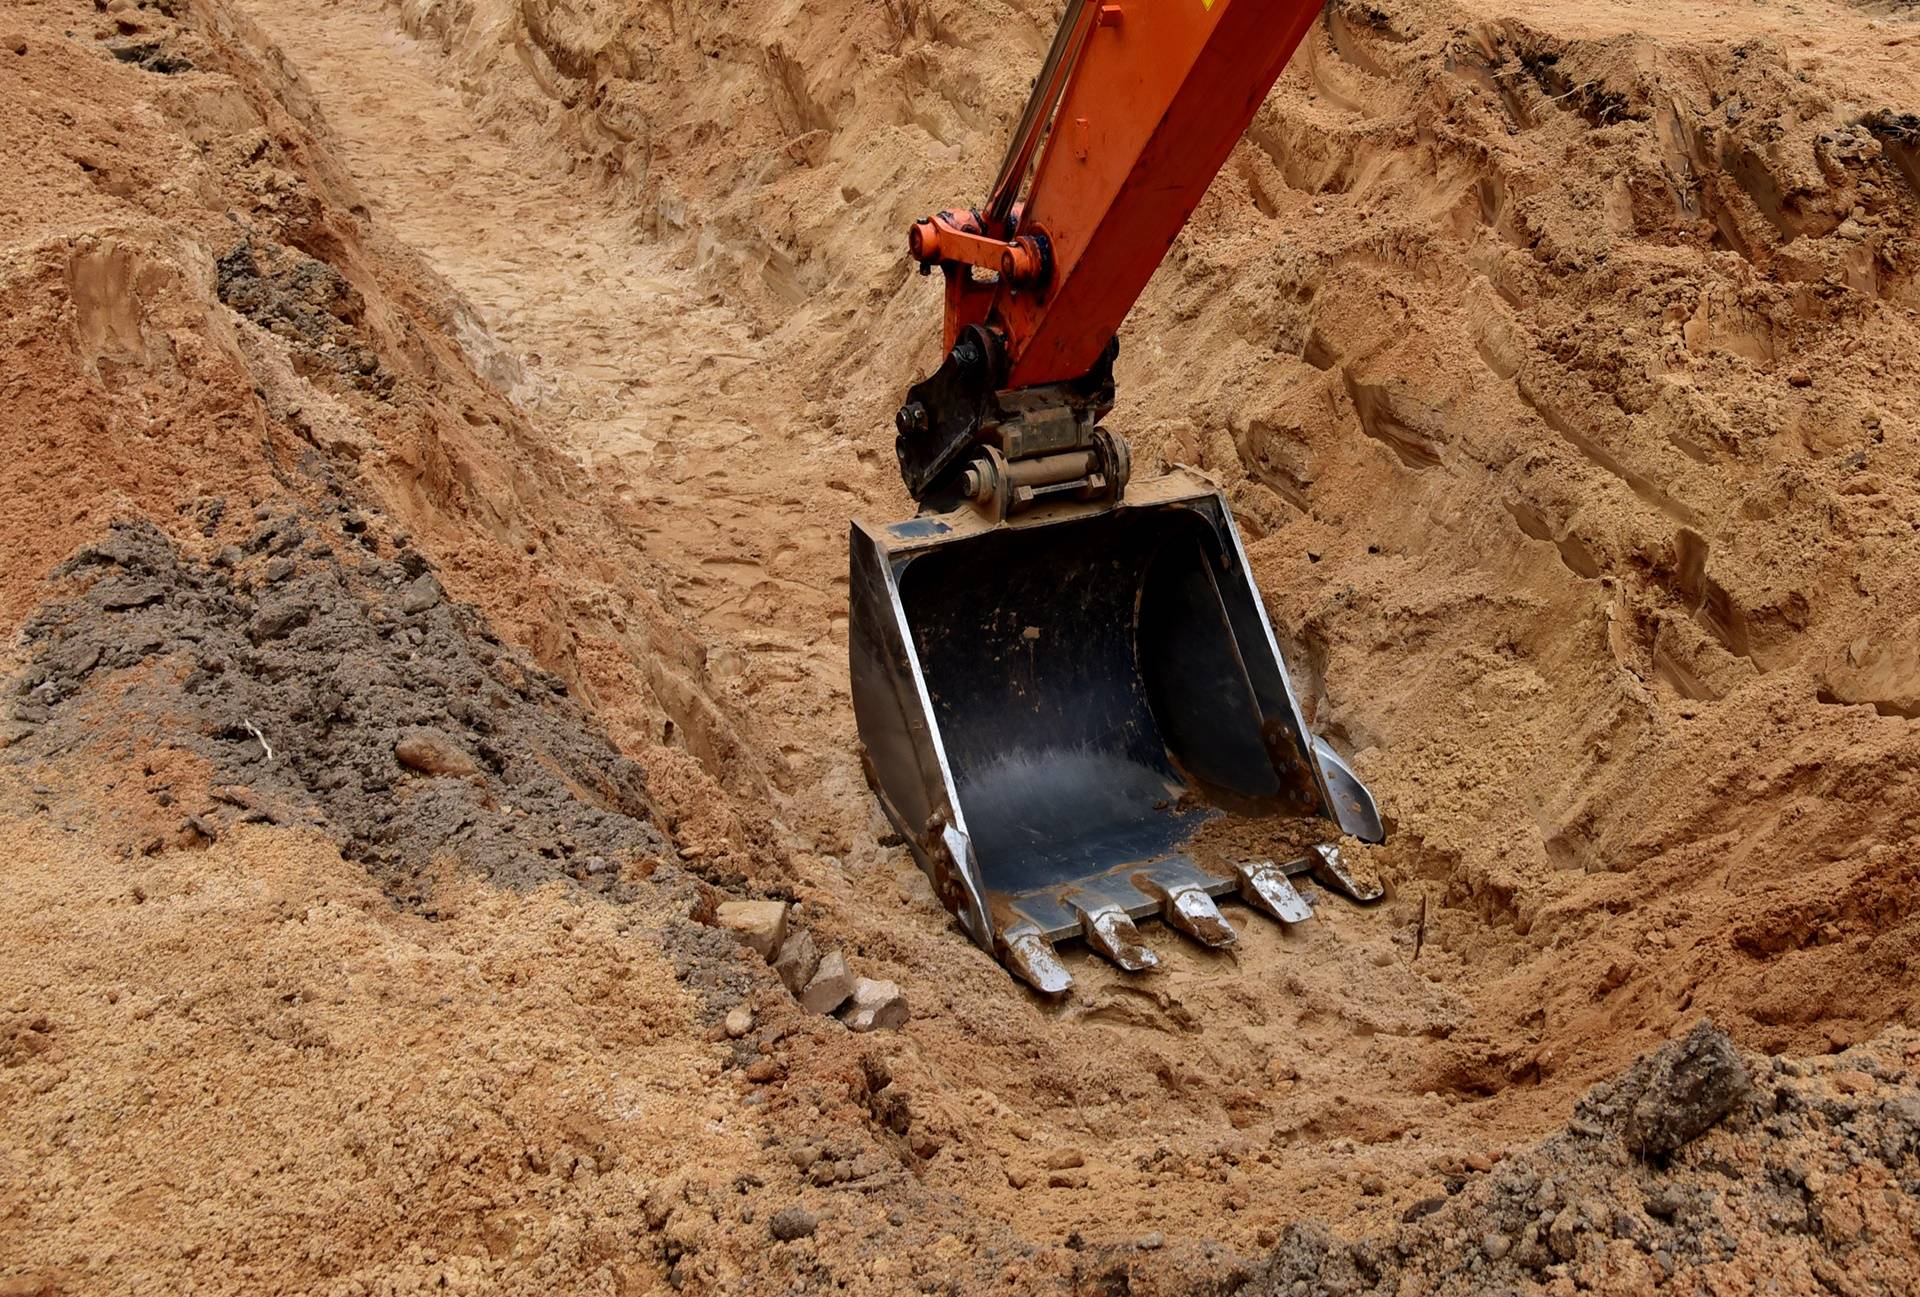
x=1701 y=1169
x=312 y=677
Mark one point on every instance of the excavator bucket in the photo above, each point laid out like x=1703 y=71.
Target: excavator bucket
x=1081 y=719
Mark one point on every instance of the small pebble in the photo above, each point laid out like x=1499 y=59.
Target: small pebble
x=790 y=1223
x=739 y=1021
x=1151 y=1242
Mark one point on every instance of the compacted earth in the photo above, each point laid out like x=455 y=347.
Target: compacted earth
x=428 y=433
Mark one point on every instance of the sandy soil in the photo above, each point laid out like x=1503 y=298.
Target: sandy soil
x=1562 y=376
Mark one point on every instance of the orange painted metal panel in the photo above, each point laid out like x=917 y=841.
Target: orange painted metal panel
x=1156 y=103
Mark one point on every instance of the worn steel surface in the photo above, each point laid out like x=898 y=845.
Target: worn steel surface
x=1053 y=708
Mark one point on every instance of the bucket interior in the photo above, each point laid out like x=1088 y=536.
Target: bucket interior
x=1099 y=686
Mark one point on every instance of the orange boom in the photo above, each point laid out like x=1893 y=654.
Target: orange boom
x=1065 y=690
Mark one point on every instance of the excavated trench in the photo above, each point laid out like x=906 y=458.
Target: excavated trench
x=1508 y=607
x=1571 y=423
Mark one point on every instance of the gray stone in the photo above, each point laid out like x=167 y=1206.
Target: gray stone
x=797 y=961
x=1682 y=1091
x=829 y=987
x=1563 y=1235
x=876 y=1006
x=421 y=595
x=790 y=1223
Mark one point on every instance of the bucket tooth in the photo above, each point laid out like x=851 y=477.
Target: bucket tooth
x=1331 y=872
x=1111 y=933
x=1187 y=906
x=1266 y=886
x=1030 y=955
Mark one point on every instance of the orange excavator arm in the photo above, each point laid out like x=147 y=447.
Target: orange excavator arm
x=1134 y=112
x=1061 y=682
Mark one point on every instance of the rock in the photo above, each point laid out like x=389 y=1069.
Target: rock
x=1529 y=1251
x=790 y=1223
x=123 y=594
x=279 y=569
x=763 y=1069
x=1564 y=1234
x=15 y=42
x=1422 y=1209
x=797 y=961
x=434 y=753
x=876 y=1006
x=1681 y=1091
x=69 y=664
x=423 y=594
x=761 y=925
x=1064 y=1159
x=258 y=806
x=1151 y=1242
x=739 y=1021
x=829 y=987
x=282 y=537
x=279 y=617
x=1495 y=1245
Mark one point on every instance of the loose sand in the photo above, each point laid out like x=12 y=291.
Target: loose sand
x=1559 y=360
